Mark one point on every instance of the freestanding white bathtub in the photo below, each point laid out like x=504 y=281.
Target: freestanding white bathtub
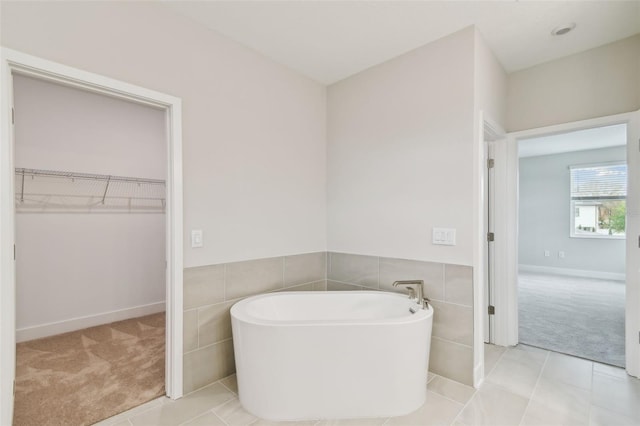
x=331 y=355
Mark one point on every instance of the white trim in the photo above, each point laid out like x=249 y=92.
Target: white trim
x=508 y=294
x=485 y=128
x=583 y=273
x=53 y=328
x=632 y=305
x=478 y=374
x=7 y=262
x=21 y=63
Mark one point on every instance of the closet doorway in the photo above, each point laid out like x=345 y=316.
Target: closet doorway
x=102 y=222
x=90 y=200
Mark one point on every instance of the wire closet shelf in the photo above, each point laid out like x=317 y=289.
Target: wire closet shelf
x=44 y=191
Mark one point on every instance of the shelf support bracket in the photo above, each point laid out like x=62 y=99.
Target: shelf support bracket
x=106 y=188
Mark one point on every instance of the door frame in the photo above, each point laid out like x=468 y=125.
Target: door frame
x=506 y=332
x=14 y=62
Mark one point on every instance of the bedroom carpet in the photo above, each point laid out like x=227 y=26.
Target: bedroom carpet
x=583 y=317
x=84 y=376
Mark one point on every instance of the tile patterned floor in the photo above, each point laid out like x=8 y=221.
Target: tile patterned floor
x=524 y=386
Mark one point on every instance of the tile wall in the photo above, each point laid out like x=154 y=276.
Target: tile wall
x=450 y=288
x=210 y=291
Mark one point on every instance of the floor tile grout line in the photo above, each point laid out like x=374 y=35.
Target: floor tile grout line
x=457 y=418
x=535 y=387
x=193 y=418
x=464 y=407
x=129 y=417
x=227 y=387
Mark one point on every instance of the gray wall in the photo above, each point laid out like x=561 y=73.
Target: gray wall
x=545 y=215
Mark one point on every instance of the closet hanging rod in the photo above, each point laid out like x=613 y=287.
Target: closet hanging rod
x=86 y=176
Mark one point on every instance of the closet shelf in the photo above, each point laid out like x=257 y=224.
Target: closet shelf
x=39 y=190
x=86 y=176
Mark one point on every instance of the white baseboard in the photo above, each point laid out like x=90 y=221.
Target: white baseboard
x=53 y=328
x=573 y=272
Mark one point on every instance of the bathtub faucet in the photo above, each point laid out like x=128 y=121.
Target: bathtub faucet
x=416 y=291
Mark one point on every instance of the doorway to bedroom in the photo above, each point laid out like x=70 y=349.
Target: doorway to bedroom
x=571 y=243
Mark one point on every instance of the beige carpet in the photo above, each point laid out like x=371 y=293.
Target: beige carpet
x=85 y=376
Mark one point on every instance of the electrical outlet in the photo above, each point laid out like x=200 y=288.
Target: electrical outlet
x=547 y=253
x=561 y=254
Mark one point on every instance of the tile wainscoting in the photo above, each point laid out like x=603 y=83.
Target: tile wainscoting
x=210 y=291
x=450 y=288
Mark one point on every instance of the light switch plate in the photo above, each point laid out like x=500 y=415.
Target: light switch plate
x=444 y=236
x=196 y=238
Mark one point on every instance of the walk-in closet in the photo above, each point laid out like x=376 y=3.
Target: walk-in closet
x=90 y=204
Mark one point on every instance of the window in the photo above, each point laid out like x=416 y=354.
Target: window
x=599 y=200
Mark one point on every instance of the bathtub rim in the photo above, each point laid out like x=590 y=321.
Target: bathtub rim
x=239 y=314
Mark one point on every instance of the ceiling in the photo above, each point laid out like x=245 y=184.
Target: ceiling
x=331 y=40
x=581 y=140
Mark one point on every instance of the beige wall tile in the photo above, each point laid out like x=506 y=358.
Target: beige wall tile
x=305 y=268
x=214 y=323
x=402 y=269
x=253 y=277
x=353 y=269
x=453 y=322
x=450 y=389
x=302 y=287
x=206 y=365
x=320 y=286
x=336 y=286
x=190 y=330
x=203 y=285
x=451 y=360
x=458 y=284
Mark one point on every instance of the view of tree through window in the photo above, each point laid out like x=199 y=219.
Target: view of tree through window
x=598 y=200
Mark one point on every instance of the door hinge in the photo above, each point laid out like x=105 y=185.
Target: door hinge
x=491 y=310
x=491 y=236
x=491 y=163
